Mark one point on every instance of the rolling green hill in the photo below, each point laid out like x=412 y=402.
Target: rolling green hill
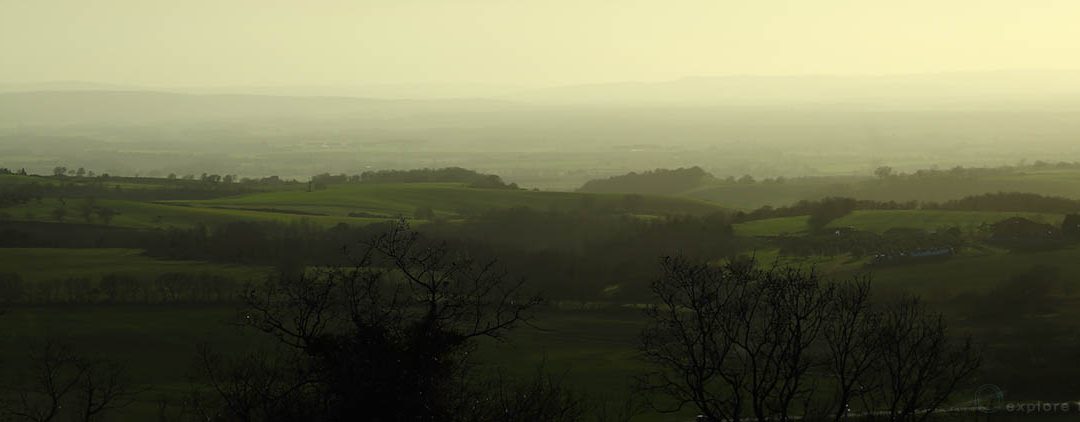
x=926 y=186
x=977 y=272
x=148 y=215
x=447 y=200
x=882 y=220
x=39 y=264
x=366 y=202
x=595 y=348
x=1064 y=183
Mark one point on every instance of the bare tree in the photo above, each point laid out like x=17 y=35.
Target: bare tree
x=919 y=365
x=62 y=382
x=252 y=387
x=735 y=340
x=784 y=346
x=51 y=379
x=688 y=340
x=388 y=338
x=102 y=387
x=543 y=397
x=853 y=339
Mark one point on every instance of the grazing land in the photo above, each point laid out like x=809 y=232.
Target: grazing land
x=588 y=333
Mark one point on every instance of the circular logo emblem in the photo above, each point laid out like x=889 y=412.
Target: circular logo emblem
x=988 y=397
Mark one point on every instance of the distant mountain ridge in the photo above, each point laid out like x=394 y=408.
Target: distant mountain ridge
x=941 y=88
x=693 y=90
x=74 y=102
x=93 y=106
x=417 y=91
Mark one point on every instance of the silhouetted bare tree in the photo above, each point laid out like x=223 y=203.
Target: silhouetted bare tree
x=735 y=338
x=919 y=365
x=853 y=340
x=543 y=397
x=64 y=383
x=739 y=342
x=252 y=387
x=386 y=339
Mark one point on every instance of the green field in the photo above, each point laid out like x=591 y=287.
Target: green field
x=149 y=215
x=135 y=183
x=880 y=221
x=593 y=350
x=446 y=199
x=156 y=344
x=972 y=270
x=1043 y=181
x=975 y=271
x=35 y=264
x=377 y=202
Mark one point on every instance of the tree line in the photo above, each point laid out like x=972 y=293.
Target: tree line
x=656 y=182
x=575 y=255
x=425 y=175
x=989 y=202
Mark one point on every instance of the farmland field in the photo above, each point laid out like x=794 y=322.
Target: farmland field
x=591 y=343
x=148 y=215
x=880 y=221
x=36 y=264
x=539 y=211
x=1044 y=181
x=594 y=350
x=445 y=199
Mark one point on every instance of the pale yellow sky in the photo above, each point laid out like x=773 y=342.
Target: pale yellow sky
x=528 y=42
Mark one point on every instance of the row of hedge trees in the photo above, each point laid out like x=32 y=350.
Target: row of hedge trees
x=426 y=175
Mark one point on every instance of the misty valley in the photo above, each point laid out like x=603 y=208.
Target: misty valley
x=539 y=211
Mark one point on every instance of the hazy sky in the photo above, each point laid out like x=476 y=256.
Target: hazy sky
x=279 y=42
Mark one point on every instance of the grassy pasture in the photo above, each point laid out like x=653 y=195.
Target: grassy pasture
x=881 y=220
x=35 y=264
x=1044 y=181
x=15 y=179
x=593 y=350
x=446 y=199
x=976 y=271
x=156 y=344
x=971 y=271
x=333 y=205
x=124 y=183
x=149 y=215
x=135 y=183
